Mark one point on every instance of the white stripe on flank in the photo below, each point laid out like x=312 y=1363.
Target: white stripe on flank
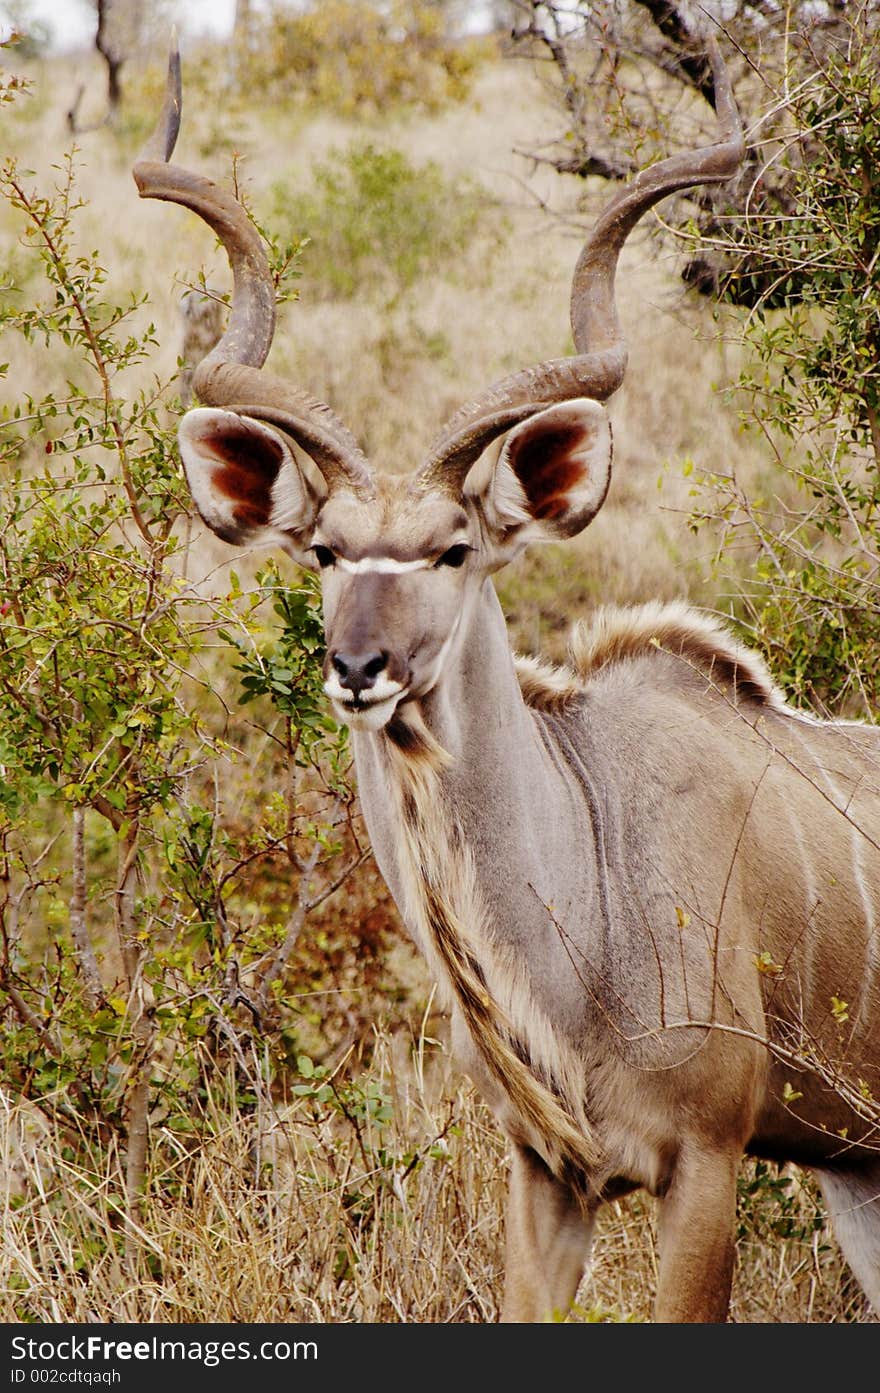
x=812 y=899
x=384 y=564
x=842 y=801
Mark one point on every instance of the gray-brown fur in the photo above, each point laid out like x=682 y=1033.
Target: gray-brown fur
x=650 y=889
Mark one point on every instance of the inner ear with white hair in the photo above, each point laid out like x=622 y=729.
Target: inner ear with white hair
x=551 y=475
x=246 y=482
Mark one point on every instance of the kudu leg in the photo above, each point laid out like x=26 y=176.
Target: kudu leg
x=852 y=1199
x=696 y=1232
x=548 y=1242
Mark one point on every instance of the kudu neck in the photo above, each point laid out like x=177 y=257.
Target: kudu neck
x=496 y=753
x=475 y=713
x=476 y=709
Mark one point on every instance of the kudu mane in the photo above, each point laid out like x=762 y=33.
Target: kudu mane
x=621 y=634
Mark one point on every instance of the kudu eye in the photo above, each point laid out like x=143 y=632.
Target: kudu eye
x=454 y=556
x=324 y=557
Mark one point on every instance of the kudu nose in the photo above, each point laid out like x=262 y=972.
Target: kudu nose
x=358 y=672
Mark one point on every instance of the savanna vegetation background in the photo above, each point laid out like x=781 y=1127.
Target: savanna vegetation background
x=226 y=1089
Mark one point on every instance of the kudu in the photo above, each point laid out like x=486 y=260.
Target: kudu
x=648 y=886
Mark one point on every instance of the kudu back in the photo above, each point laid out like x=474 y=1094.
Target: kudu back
x=647 y=886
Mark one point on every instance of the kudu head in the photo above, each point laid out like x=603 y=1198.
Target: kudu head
x=402 y=557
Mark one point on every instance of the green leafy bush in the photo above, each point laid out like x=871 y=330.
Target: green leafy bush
x=812 y=388
x=375 y=222
x=152 y=953
x=355 y=55
x=771 y=1203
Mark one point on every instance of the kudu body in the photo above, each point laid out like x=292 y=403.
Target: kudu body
x=647 y=885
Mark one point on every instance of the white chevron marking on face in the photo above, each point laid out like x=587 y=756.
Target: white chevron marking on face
x=384 y=564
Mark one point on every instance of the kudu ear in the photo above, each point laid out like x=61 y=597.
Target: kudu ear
x=552 y=474
x=245 y=481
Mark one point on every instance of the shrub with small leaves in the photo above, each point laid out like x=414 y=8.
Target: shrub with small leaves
x=375 y=221
x=356 y=55
x=150 y=938
x=812 y=389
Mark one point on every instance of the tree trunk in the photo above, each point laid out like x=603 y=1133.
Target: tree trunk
x=143 y=1030
x=79 y=929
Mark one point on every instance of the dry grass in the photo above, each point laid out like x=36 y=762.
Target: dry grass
x=307 y=1213
x=314 y=1214
x=302 y=1213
